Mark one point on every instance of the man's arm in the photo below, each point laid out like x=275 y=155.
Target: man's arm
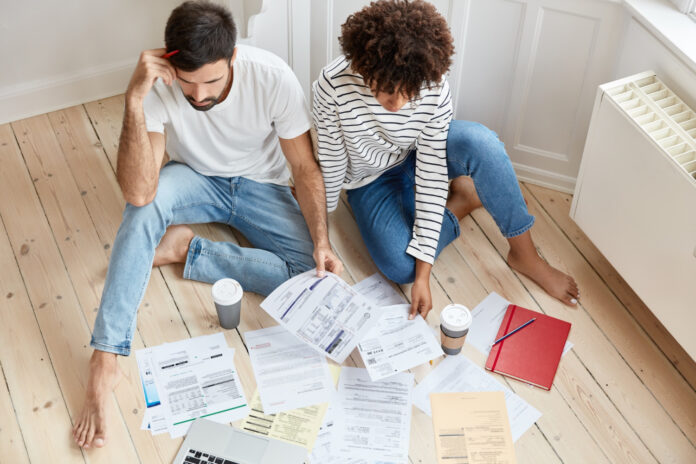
x=311 y=197
x=140 y=153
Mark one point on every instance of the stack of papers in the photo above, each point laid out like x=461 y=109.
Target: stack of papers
x=189 y=379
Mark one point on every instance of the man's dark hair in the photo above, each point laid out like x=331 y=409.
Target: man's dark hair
x=398 y=45
x=202 y=31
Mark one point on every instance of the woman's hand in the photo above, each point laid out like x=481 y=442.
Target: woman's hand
x=421 y=299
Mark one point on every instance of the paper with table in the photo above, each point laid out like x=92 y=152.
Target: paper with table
x=192 y=378
x=459 y=374
x=472 y=428
x=396 y=343
x=324 y=312
x=289 y=373
x=487 y=318
x=372 y=420
x=378 y=290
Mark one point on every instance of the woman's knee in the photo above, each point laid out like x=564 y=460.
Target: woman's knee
x=400 y=269
x=469 y=143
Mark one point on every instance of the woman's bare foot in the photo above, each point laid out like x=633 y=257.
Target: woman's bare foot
x=462 y=198
x=104 y=375
x=174 y=246
x=524 y=258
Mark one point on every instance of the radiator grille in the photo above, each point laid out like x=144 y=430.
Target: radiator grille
x=663 y=116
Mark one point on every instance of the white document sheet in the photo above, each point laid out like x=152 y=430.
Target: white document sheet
x=324 y=312
x=289 y=373
x=197 y=378
x=379 y=291
x=459 y=374
x=487 y=318
x=372 y=420
x=395 y=344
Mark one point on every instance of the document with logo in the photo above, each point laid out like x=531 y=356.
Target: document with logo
x=324 y=312
x=459 y=374
x=289 y=373
x=472 y=428
x=193 y=378
x=396 y=343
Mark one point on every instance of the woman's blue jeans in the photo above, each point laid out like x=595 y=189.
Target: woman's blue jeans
x=384 y=209
x=266 y=214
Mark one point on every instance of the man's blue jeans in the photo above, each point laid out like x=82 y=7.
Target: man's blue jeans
x=267 y=215
x=384 y=208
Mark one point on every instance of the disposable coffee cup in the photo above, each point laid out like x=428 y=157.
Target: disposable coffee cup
x=455 y=320
x=227 y=295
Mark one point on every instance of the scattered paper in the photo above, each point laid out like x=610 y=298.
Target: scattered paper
x=372 y=420
x=298 y=426
x=396 y=343
x=324 y=312
x=378 y=290
x=194 y=378
x=472 y=428
x=289 y=373
x=488 y=316
x=459 y=374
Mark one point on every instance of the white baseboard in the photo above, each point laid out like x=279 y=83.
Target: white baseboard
x=38 y=97
x=544 y=178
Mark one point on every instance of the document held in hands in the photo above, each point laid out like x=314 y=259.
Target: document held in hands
x=289 y=373
x=472 y=428
x=396 y=343
x=324 y=312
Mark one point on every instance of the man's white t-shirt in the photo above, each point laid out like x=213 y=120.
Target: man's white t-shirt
x=238 y=137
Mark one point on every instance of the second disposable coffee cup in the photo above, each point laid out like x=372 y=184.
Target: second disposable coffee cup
x=227 y=295
x=455 y=320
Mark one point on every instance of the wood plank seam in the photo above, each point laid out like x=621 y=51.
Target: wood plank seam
x=613 y=292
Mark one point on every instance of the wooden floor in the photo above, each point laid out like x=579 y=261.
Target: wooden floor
x=625 y=393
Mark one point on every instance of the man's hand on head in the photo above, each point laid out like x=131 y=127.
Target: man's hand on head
x=151 y=65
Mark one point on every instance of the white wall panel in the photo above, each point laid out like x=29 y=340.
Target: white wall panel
x=486 y=56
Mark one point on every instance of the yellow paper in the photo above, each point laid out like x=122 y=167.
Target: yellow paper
x=297 y=426
x=472 y=428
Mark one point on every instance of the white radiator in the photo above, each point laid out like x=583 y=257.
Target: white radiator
x=635 y=197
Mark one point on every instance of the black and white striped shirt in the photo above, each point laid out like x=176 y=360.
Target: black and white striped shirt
x=358 y=140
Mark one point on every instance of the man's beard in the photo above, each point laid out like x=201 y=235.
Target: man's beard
x=212 y=102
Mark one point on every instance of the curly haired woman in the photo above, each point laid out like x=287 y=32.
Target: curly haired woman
x=383 y=115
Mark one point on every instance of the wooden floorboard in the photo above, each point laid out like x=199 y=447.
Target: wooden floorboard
x=625 y=393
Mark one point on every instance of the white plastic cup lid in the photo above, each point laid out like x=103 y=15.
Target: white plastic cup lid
x=456 y=317
x=227 y=291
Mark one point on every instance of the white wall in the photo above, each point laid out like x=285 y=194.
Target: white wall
x=58 y=54
x=642 y=50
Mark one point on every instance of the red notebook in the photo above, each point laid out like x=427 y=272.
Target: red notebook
x=533 y=353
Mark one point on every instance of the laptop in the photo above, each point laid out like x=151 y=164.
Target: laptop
x=210 y=442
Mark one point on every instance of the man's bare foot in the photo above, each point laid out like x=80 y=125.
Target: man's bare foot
x=462 y=198
x=524 y=258
x=174 y=246
x=104 y=375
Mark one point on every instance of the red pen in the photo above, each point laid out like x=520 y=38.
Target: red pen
x=170 y=54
